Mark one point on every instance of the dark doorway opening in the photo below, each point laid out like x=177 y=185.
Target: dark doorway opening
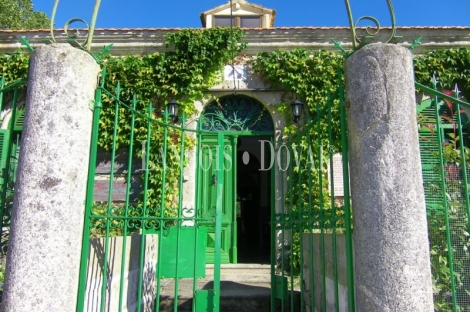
x=253 y=199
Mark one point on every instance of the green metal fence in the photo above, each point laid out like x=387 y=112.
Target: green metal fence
x=137 y=254
x=444 y=140
x=128 y=244
x=12 y=108
x=312 y=265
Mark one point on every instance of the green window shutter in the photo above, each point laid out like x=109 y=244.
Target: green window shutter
x=19 y=120
x=4 y=137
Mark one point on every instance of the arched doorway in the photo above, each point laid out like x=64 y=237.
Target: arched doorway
x=247 y=128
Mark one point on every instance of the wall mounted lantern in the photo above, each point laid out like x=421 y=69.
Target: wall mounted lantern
x=296 y=110
x=173 y=110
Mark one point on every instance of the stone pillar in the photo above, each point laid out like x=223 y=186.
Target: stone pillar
x=391 y=247
x=48 y=210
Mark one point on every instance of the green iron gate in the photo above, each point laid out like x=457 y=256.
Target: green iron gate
x=312 y=268
x=444 y=130
x=126 y=243
x=146 y=254
x=12 y=109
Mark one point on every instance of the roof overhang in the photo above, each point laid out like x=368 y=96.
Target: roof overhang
x=150 y=40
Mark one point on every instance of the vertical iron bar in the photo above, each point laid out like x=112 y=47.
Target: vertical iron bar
x=322 y=214
x=273 y=240
x=234 y=209
x=126 y=208
x=347 y=200
x=110 y=204
x=444 y=197
x=3 y=172
x=162 y=206
x=89 y=195
x=332 y=203
x=144 y=210
x=179 y=216
x=197 y=206
x=463 y=157
x=218 y=222
x=300 y=215
x=311 y=218
x=283 y=223
x=291 y=223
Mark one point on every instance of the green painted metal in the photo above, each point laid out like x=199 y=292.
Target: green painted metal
x=236 y=113
x=347 y=200
x=218 y=223
x=10 y=137
x=185 y=229
x=443 y=133
x=312 y=222
x=204 y=301
x=358 y=41
x=415 y=43
x=180 y=264
x=234 y=247
x=233 y=116
x=89 y=196
x=86 y=45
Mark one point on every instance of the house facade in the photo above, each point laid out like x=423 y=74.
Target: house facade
x=241 y=93
x=245 y=109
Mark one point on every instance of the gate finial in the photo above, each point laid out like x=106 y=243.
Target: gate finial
x=91 y=28
x=358 y=41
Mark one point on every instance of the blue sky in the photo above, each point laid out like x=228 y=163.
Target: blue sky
x=185 y=13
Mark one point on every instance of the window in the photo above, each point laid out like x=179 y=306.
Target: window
x=238 y=21
x=250 y=22
x=224 y=21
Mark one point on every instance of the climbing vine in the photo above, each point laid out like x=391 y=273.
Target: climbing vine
x=193 y=64
x=191 y=67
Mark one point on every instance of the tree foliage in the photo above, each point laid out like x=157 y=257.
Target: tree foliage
x=20 y=14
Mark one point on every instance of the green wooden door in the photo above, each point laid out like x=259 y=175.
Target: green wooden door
x=209 y=151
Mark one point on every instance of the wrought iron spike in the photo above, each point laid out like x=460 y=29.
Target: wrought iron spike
x=456 y=89
x=339 y=47
x=415 y=43
x=103 y=51
x=118 y=88
x=26 y=43
x=134 y=100
x=434 y=80
x=104 y=73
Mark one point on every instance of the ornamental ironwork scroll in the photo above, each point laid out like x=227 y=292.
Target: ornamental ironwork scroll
x=235 y=113
x=86 y=44
x=371 y=31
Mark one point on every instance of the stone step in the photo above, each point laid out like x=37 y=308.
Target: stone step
x=243 y=287
x=252 y=273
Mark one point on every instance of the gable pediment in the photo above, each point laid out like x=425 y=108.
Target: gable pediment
x=239 y=8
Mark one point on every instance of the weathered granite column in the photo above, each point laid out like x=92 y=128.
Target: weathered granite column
x=47 y=222
x=391 y=247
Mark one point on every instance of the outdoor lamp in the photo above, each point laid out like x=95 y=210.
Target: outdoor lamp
x=173 y=110
x=296 y=110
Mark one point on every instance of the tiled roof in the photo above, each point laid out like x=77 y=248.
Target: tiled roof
x=274 y=28
x=150 y=40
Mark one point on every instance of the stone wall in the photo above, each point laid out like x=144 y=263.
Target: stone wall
x=131 y=273
x=313 y=242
